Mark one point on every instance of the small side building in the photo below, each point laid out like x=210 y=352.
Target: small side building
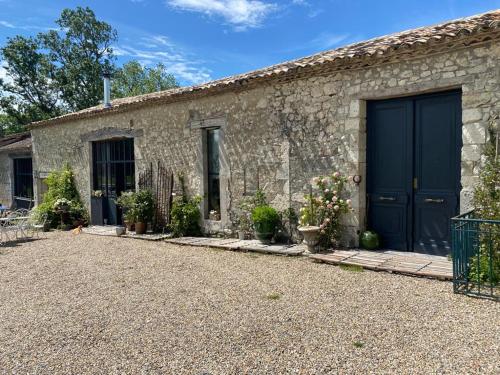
x=16 y=171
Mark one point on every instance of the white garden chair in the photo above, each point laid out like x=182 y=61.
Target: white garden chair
x=20 y=219
x=36 y=225
x=9 y=228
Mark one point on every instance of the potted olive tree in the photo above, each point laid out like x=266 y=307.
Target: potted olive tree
x=127 y=203
x=143 y=210
x=265 y=221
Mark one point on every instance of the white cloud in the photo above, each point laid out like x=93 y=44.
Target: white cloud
x=7 y=24
x=242 y=14
x=3 y=73
x=189 y=72
x=154 y=49
x=327 y=40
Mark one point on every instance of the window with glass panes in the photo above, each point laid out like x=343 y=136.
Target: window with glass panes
x=23 y=178
x=114 y=166
x=213 y=169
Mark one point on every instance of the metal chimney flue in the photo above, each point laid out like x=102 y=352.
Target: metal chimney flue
x=107 y=89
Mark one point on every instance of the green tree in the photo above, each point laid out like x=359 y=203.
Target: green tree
x=8 y=125
x=80 y=51
x=57 y=71
x=29 y=94
x=60 y=71
x=134 y=79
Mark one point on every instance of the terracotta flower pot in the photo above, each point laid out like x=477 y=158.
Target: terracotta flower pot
x=311 y=237
x=140 y=228
x=129 y=225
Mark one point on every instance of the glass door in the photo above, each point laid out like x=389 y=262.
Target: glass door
x=114 y=173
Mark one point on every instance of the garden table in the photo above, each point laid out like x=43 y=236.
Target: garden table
x=14 y=224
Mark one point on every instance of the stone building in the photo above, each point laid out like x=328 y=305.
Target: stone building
x=16 y=177
x=408 y=112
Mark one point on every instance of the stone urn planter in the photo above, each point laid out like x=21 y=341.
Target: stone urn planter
x=311 y=237
x=120 y=231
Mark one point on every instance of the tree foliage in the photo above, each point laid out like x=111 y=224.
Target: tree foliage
x=80 y=51
x=487 y=192
x=56 y=71
x=485 y=265
x=134 y=79
x=30 y=95
x=60 y=71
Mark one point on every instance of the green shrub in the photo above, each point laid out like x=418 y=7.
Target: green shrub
x=487 y=207
x=185 y=214
x=265 y=219
x=127 y=202
x=185 y=217
x=143 y=207
x=480 y=264
x=61 y=186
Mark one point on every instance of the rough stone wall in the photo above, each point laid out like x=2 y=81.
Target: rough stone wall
x=324 y=117
x=281 y=134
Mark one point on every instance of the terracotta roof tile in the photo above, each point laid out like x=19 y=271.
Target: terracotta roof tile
x=12 y=141
x=373 y=48
x=21 y=145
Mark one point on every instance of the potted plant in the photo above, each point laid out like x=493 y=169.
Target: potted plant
x=127 y=203
x=143 y=209
x=62 y=207
x=96 y=207
x=265 y=220
x=244 y=225
x=214 y=215
x=321 y=215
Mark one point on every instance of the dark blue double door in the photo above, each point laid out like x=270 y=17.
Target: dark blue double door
x=413 y=170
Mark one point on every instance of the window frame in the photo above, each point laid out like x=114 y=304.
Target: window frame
x=22 y=181
x=209 y=175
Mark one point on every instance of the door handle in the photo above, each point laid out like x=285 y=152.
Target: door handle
x=392 y=199
x=431 y=200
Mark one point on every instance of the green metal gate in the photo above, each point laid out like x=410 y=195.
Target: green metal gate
x=476 y=256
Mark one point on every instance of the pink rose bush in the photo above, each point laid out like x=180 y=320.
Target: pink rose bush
x=326 y=208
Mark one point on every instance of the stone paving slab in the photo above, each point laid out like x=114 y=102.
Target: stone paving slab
x=240 y=245
x=389 y=261
x=392 y=261
x=110 y=231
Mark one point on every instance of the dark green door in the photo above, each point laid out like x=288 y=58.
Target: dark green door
x=413 y=164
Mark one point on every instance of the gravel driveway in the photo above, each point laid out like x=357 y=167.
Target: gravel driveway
x=98 y=305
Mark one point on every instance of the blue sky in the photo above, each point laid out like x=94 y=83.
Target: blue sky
x=200 y=40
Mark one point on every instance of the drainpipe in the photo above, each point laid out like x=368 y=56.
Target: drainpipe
x=107 y=89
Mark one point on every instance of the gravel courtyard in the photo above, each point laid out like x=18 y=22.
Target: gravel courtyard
x=84 y=304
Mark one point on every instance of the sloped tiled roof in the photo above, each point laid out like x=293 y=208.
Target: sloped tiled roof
x=371 y=50
x=16 y=142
